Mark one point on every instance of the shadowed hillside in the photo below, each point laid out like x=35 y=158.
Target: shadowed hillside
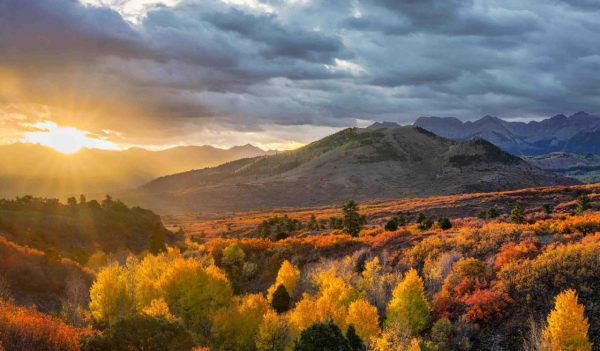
x=353 y=163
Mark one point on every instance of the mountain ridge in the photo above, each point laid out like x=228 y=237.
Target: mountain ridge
x=577 y=133
x=358 y=163
x=42 y=171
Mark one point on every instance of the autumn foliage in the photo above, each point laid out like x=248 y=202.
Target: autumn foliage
x=24 y=328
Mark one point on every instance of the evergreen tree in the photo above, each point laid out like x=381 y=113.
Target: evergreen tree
x=281 y=299
x=391 y=225
x=425 y=224
x=355 y=341
x=353 y=220
x=547 y=208
x=322 y=336
x=401 y=219
x=516 y=214
x=567 y=328
x=491 y=213
x=445 y=223
x=420 y=217
x=313 y=224
x=157 y=241
x=583 y=204
x=141 y=333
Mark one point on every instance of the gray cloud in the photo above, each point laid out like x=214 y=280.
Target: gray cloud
x=315 y=62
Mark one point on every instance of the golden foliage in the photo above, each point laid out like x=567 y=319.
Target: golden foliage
x=365 y=319
x=288 y=275
x=567 y=328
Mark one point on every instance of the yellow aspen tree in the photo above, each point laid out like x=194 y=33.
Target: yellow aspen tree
x=365 y=319
x=567 y=328
x=409 y=306
x=273 y=333
x=414 y=345
x=303 y=315
x=288 y=275
x=110 y=295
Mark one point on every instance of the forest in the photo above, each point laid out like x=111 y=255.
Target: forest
x=522 y=275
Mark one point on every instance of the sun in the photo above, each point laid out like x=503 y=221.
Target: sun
x=66 y=140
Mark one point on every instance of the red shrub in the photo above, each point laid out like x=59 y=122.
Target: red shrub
x=26 y=329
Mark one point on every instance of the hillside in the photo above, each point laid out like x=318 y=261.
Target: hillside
x=80 y=229
x=584 y=167
x=353 y=163
x=577 y=133
x=36 y=170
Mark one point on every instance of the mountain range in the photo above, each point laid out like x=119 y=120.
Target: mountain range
x=578 y=133
x=32 y=169
x=357 y=163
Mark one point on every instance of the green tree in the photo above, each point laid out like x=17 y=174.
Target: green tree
x=420 y=217
x=322 y=336
x=234 y=255
x=355 y=341
x=141 y=333
x=517 y=214
x=313 y=224
x=444 y=223
x=281 y=299
x=441 y=332
x=492 y=213
x=401 y=219
x=391 y=225
x=157 y=240
x=547 y=208
x=352 y=219
x=425 y=224
x=409 y=306
x=583 y=204
x=335 y=223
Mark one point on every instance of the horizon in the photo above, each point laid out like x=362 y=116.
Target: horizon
x=50 y=135
x=279 y=74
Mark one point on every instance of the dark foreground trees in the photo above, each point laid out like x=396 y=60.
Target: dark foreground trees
x=141 y=333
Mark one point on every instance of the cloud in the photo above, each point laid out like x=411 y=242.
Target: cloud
x=164 y=71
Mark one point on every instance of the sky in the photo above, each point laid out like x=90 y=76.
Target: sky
x=281 y=73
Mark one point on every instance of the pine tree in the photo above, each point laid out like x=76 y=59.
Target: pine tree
x=516 y=214
x=445 y=223
x=356 y=342
x=313 y=224
x=583 y=204
x=281 y=299
x=391 y=225
x=491 y=213
x=353 y=220
x=567 y=328
x=157 y=241
x=322 y=336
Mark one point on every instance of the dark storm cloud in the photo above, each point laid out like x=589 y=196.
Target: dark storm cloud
x=314 y=62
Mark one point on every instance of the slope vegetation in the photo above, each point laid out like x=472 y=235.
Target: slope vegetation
x=353 y=163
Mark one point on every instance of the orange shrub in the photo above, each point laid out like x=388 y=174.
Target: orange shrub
x=24 y=328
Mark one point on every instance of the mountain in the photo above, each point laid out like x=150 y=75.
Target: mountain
x=578 y=133
x=354 y=163
x=378 y=125
x=584 y=167
x=41 y=171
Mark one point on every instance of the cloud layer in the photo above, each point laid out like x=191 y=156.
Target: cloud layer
x=200 y=71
